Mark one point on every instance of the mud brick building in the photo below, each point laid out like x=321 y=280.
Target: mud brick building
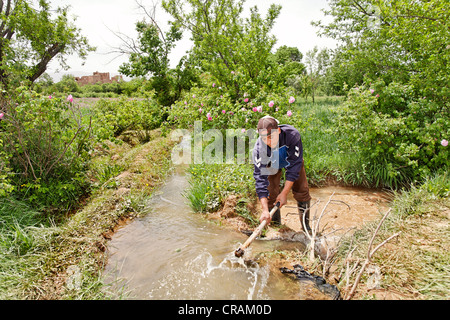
x=97 y=77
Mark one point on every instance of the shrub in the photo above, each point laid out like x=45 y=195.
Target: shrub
x=113 y=117
x=217 y=109
x=46 y=140
x=402 y=137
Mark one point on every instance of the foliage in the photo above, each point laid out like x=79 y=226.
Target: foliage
x=289 y=63
x=316 y=64
x=113 y=117
x=213 y=105
x=404 y=142
x=47 y=143
x=31 y=37
x=233 y=50
x=153 y=50
x=150 y=57
x=399 y=40
x=211 y=184
x=5 y=172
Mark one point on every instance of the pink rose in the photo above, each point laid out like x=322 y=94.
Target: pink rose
x=271 y=103
x=246 y=100
x=70 y=98
x=291 y=100
x=444 y=142
x=289 y=113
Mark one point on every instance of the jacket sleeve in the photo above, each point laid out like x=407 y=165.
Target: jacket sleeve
x=261 y=181
x=295 y=157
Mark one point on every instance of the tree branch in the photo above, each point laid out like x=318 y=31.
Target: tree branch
x=370 y=254
x=42 y=65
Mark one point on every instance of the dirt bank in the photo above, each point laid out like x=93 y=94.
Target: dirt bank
x=349 y=209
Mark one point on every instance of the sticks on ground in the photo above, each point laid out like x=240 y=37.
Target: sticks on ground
x=370 y=253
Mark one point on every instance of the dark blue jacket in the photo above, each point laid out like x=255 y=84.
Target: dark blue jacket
x=288 y=155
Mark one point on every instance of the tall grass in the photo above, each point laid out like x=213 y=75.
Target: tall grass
x=326 y=160
x=210 y=184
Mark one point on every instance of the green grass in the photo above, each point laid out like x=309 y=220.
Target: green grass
x=210 y=184
x=325 y=160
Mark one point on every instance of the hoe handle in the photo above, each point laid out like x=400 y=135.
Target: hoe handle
x=259 y=229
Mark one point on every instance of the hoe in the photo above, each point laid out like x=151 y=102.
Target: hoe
x=240 y=251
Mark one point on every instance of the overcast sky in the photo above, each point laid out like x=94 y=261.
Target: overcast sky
x=97 y=17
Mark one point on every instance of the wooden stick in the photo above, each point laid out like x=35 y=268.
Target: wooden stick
x=240 y=251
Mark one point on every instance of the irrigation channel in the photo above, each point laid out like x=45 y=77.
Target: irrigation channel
x=173 y=253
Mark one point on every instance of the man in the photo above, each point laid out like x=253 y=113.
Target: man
x=278 y=147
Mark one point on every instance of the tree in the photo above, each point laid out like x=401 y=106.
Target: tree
x=317 y=63
x=149 y=57
x=31 y=35
x=395 y=40
x=289 y=62
x=285 y=54
x=150 y=54
x=226 y=45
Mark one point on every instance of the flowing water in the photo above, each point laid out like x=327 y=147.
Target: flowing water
x=173 y=253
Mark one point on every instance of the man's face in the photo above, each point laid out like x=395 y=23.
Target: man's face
x=270 y=138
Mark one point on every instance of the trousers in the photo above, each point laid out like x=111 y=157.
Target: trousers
x=300 y=188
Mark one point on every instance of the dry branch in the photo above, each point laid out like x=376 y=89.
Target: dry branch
x=370 y=253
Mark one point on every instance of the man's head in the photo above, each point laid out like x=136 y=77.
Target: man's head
x=269 y=131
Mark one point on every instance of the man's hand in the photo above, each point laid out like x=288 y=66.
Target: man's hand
x=282 y=199
x=265 y=215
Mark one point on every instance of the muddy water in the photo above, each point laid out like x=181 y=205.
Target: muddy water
x=173 y=253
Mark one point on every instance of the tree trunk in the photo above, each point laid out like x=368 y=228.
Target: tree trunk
x=41 y=67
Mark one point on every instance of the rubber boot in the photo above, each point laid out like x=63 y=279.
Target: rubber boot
x=303 y=210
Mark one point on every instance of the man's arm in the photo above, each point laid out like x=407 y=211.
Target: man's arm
x=282 y=197
x=265 y=210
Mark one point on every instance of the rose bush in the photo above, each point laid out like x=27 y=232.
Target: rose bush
x=46 y=143
x=398 y=133
x=214 y=106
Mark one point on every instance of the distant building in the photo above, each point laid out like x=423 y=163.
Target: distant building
x=97 y=77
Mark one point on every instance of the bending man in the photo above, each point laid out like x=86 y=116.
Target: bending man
x=280 y=147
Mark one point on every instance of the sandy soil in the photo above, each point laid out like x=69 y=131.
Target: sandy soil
x=348 y=209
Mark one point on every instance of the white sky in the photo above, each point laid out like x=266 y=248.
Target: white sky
x=95 y=18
